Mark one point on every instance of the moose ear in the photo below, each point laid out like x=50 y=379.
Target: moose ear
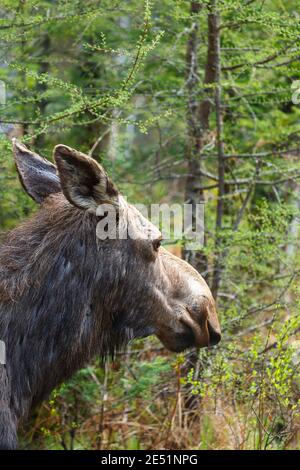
x=38 y=176
x=84 y=182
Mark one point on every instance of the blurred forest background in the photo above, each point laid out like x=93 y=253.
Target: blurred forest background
x=181 y=101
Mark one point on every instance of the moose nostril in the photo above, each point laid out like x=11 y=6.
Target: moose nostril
x=214 y=336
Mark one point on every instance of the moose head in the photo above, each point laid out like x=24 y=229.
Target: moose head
x=146 y=289
x=66 y=295
x=149 y=290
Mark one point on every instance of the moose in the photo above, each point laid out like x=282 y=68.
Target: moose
x=66 y=296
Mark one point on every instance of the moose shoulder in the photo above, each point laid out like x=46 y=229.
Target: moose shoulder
x=65 y=296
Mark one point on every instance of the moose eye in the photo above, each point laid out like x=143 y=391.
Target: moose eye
x=156 y=244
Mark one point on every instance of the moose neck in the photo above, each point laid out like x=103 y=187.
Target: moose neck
x=51 y=310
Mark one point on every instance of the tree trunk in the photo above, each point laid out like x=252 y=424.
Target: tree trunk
x=44 y=51
x=198 y=115
x=214 y=20
x=193 y=191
